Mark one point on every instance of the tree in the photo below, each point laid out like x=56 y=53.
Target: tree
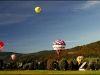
x=43 y=65
x=39 y=65
x=50 y=64
x=19 y=65
x=98 y=64
x=63 y=64
x=55 y=65
x=92 y=65
x=36 y=65
x=75 y=66
x=14 y=66
x=26 y=66
x=1 y=64
x=71 y=65
x=31 y=66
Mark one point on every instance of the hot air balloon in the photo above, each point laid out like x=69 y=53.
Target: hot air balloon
x=38 y=9
x=79 y=59
x=1 y=45
x=13 y=56
x=59 y=46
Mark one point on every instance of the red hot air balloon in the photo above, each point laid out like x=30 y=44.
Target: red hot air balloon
x=13 y=56
x=59 y=46
x=1 y=45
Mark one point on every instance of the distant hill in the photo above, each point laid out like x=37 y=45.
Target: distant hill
x=89 y=50
x=6 y=56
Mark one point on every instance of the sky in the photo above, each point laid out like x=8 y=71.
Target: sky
x=23 y=31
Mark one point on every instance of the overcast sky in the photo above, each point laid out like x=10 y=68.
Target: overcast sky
x=23 y=31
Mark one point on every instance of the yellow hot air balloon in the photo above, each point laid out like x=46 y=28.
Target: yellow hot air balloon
x=37 y=10
x=80 y=59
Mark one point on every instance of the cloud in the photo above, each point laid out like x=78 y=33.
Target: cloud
x=13 y=18
x=72 y=41
x=15 y=15
x=88 y=4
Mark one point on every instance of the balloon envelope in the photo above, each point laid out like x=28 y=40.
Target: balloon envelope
x=59 y=46
x=13 y=56
x=1 y=45
x=79 y=59
x=37 y=9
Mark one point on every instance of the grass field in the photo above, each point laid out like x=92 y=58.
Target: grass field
x=49 y=72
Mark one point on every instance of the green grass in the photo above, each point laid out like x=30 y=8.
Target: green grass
x=49 y=72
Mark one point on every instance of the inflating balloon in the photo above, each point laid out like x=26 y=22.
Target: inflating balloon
x=59 y=46
x=37 y=10
x=79 y=59
x=1 y=45
x=13 y=56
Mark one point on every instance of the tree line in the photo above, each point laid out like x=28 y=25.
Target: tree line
x=50 y=64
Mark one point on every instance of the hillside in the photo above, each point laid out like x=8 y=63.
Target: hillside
x=89 y=50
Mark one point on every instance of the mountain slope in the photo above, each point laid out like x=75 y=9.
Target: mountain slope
x=89 y=50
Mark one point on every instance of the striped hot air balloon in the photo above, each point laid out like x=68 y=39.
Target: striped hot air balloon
x=59 y=46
